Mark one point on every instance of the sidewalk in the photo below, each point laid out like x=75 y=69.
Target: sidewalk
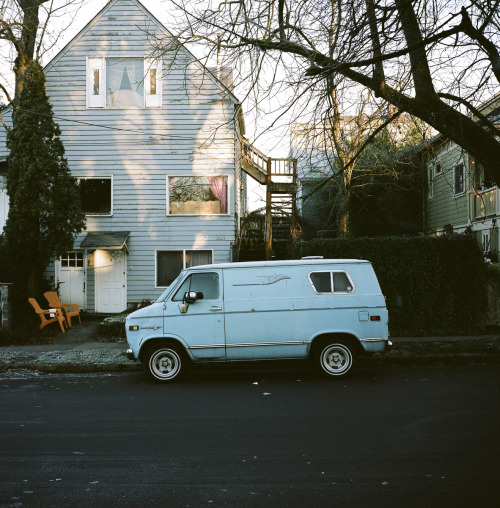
x=80 y=350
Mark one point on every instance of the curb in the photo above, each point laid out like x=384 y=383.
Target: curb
x=115 y=360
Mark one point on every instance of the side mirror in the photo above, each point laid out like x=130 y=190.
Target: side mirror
x=192 y=296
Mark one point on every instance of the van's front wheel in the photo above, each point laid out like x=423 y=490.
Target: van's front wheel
x=334 y=358
x=165 y=363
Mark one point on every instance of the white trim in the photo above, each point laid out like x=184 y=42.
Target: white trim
x=96 y=64
x=57 y=273
x=228 y=194
x=183 y=260
x=100 y=177
x=153 y=101
x=99 y=101
x=4 y=203
x=98 y=281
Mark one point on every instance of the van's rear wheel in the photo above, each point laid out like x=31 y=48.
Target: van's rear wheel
x=165 y=363
x=335 y=358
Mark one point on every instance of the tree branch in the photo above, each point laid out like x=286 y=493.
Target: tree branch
x=490 y=125
x=478 y=36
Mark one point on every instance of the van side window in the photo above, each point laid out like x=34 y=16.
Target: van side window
x=206 y=283
x=331 y=282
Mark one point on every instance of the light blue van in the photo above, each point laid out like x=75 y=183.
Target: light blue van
x=329 y=310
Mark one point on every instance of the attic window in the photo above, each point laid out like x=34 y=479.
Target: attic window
x=123 y=83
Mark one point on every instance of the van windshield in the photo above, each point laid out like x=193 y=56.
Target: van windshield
x=171 y=287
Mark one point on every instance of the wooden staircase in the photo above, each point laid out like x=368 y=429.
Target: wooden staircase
x=279 y=221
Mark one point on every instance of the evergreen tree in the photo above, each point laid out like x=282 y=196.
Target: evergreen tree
x=45 y=213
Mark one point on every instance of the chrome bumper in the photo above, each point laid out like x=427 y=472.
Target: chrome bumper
x=376 y=345
x=130 y=355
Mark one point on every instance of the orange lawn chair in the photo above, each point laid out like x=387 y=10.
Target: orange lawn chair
x=54 y=315
x=54 y=301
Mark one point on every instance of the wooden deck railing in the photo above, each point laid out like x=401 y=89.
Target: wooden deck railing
x=279 y=167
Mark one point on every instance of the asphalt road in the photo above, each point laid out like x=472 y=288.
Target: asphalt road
x=391 y=436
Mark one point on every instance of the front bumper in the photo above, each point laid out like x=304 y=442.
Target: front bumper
x=130 y=355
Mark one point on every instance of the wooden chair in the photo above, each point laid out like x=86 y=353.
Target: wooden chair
x=54 y=302
x=56 y=315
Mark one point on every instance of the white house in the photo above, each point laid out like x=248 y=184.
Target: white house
x=155 y=144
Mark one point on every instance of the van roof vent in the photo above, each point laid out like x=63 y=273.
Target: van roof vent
x=312 y=257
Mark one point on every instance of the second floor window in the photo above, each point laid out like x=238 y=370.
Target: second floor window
x=459 y=179
x=196 y=195
x=120 y=83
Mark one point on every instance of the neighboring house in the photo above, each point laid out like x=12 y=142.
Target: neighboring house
x=459 y=192
x=155 y=144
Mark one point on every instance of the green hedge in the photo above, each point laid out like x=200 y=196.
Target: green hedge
x=433 y=285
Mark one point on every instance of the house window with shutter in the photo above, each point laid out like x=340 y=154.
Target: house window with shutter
x=123 y=83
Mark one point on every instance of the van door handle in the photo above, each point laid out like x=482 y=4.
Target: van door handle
x=213 y=309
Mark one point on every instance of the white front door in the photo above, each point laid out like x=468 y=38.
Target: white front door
x=71 y=279
x=110 y=281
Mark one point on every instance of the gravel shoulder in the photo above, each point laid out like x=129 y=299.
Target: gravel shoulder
x=109 y=355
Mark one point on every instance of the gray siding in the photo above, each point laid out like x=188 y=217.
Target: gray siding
x=193 y=133
x=445 y=207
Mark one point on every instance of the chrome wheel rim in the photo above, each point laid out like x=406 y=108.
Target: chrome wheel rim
x=336 y=359
x=165 y=364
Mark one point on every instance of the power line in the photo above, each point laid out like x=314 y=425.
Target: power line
x=155 y=138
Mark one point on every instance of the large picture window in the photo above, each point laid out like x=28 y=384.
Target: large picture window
x=96 y=195
x=123 y=83
x=169 y=263
x=195 y=195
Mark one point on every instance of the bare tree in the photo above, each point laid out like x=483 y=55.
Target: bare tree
x=434 y=59
x=27 y=33
x=342 y=154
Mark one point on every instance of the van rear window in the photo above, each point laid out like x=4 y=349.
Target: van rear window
x=331 y=282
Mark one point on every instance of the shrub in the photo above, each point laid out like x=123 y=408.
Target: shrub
x=433 y=285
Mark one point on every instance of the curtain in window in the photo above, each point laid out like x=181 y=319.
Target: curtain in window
x=218 y=186
x=198 y=257
x=124 y=82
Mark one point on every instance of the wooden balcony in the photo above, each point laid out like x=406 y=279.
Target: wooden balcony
x=280 y=178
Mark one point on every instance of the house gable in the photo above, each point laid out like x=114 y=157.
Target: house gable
x=129 y=157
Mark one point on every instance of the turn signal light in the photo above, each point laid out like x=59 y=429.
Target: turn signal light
x=133 y=328
x=374 y=318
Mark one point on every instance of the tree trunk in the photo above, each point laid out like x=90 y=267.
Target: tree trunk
x=27 y=41
x=344 y=212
